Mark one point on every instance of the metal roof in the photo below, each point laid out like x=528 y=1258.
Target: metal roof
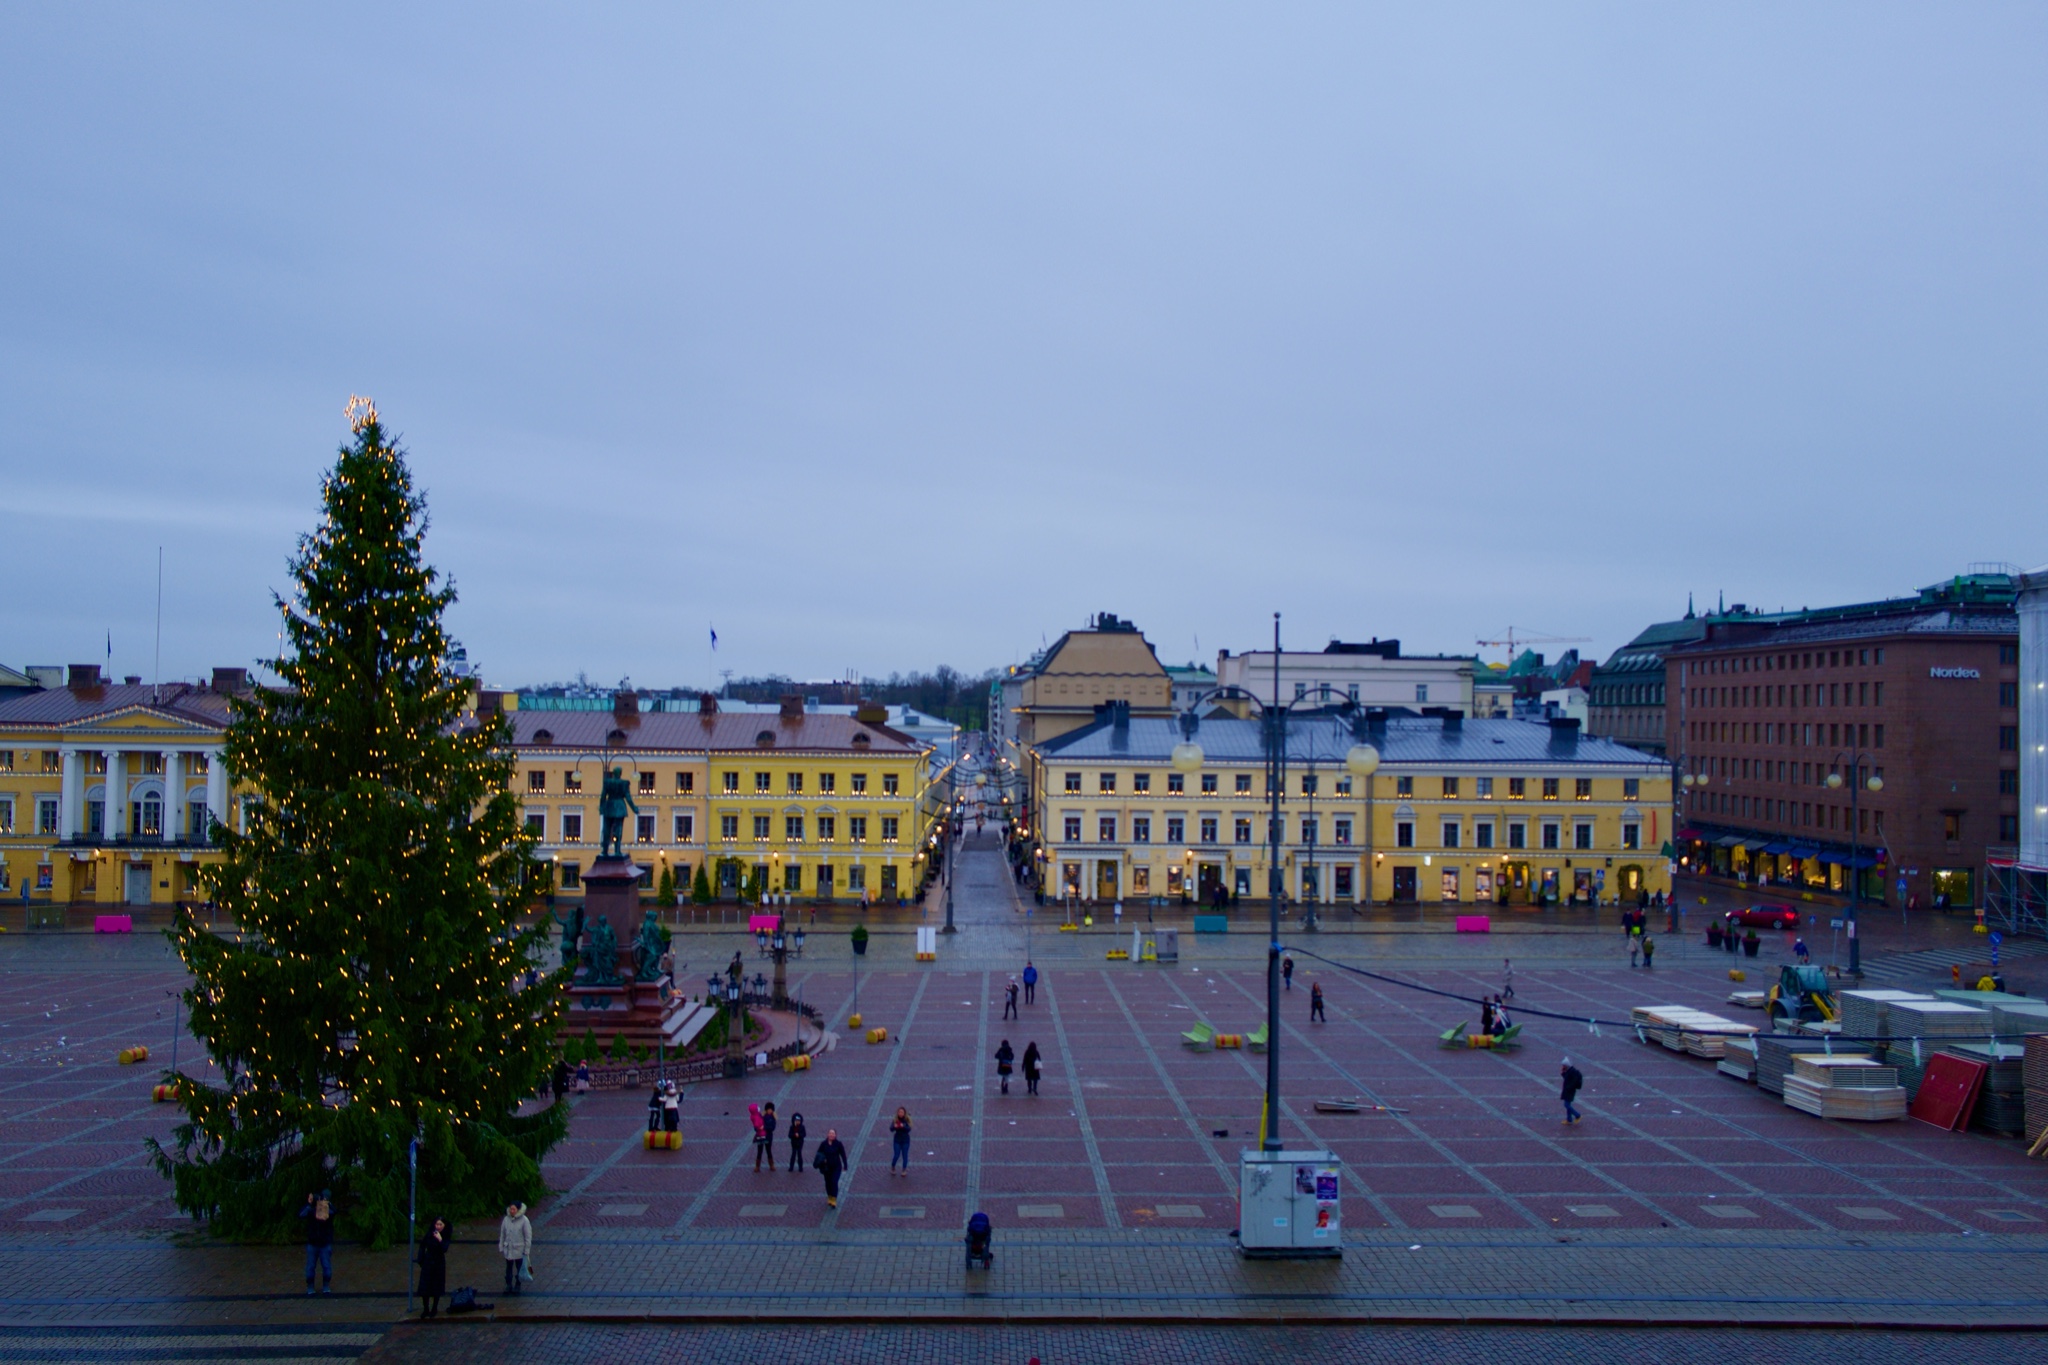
x=1325 y=738
x=53 y=707
x=724 y=732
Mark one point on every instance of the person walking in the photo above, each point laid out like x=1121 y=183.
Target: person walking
x=831 y=1162
x=1003 y=1059
x=1031 y=1069
x=899 y=1141
x=1635 y=950
x=433 y=1263
x=671 y=1107
x=654 y=1110
x=1570 y=1089
x=1010 y=999
x=1799 y=949
x=764 y=1137
x=796 y=1140
x=515 y=1244
x=1315 y=1003
x=1486 y=1015
x=1287 y=971
x=1507 y=979
x=318 y=1211
x=1649 y=952
x=1030 y=983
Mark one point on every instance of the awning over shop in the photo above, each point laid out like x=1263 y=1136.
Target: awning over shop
x=1728 y=841
x=1689 y=835
x=1776 y=848
x=1861 y=860
x=1804 y=852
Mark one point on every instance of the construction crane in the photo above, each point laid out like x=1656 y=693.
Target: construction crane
x=1514 y=642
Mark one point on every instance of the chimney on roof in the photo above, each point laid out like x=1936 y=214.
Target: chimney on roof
x=226 y=680
x=133 y=680
x=489 y=701
x=1454 y=722
x=871 y=712
x=1563 y=729
x=83 y=675
x=707 y=704
x=792 y=706
x=625 y=705
x=1120 y=715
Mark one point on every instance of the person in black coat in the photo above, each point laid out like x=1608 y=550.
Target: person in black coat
x=832 y=1162
x=764 y=1145
x=433 y=1262
x=1004 y=1057
x=796 y=1140
x=1031 y=1068
x=1569 y=1089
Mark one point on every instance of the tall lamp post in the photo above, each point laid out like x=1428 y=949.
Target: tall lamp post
x=1857 y=783
x=1690 y=782
x=1187 y=757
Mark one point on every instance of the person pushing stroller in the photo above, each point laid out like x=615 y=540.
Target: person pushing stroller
x=980 y=1236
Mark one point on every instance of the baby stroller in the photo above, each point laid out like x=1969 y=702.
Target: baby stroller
x=979 y=1234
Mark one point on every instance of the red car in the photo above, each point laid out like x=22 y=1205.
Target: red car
x=1766 y=916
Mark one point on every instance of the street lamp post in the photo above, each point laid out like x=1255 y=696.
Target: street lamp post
x=735 y=1032
x=1857 y=784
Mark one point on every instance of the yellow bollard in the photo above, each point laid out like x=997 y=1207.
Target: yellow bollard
x=853 y=1021
x=878 y=1035
x=1737 y=974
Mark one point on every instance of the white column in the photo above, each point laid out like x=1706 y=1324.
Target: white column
x=217 y=786
x=111 y=825
x=70 y=805
x=174 y=796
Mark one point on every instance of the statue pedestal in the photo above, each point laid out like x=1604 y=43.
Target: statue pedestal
x=611 y=891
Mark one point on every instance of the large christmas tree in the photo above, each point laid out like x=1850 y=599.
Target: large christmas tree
x=372 y=993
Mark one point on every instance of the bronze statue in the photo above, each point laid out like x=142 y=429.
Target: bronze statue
x=612 y=806
x=647 y=949
x=572 y=933
x=602 y=960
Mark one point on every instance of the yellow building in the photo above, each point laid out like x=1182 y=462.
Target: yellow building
x=820 y=806
x=107 y=789
x=1084 y=669
x=1456 y=811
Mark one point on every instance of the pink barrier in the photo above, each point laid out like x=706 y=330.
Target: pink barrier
x=1475 y=924
x=762 y=924
x=113 y=924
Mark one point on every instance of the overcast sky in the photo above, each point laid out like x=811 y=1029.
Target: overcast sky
x=886 y=336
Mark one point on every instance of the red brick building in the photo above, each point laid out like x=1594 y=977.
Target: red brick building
x=1911 y=703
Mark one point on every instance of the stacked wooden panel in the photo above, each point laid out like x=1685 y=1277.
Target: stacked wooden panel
x=2034 y=1074
x=1738 y=1059
x=1685 y=1029
x=1867 y=1014
x=1775 y=1051
x=2002 y=1104
x=1859 y=1089
x=1930 y=1024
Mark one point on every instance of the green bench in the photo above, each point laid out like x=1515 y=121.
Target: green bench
x=1201 y=1036
x=1257 y=1041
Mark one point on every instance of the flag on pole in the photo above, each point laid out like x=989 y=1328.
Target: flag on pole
x=714 y=638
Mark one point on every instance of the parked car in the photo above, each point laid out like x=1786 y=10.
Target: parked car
x=1767 y=916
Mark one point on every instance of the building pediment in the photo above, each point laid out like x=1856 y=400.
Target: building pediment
x=137 y=721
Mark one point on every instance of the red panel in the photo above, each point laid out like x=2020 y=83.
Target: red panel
x=1949 y=1091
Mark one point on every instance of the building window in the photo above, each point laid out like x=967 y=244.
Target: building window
x=2007 y=654
x=1141 y=829
x=1631 y=836
x=1105 y=829
x=1582 y=836
x=1550 y=785
x=1175 y=784
x=1404 y=786
x=728 y=827
x=730 y=781
x=685 y=826
x=1404 y=834
x=1482 y=834
x=46 y=815
x=1242 y=786
x=828 y=828
x=1105 y=782
x=643 y=829
x=1300 y=691
x=685 y=783
x=1308 y=831
x=572 y=876
x=856 y=878
x=1422 y=691
x=1176 y=830
x=53 y=762
x=827 y=784
x=1550 y=836
x=572 y=826
x=1450 y=786
x=1351 y=692
x=572 y=782
x=1951 y=825
x=761 y=826
x=793 y=828
x=857 y=828
x=1450 y=833
x=2009 y=738
x=1482 y=787
x=647 y=784
x=793 y=877
x=1344 y=786
x=888 y=829
x=1072 y=829
x=537 y=780
x=1343 y=830
x=1308 y=784
x=1582 y=789
x=793 y=784
x=1631 y=788
x=2008 y=782
x=2008 y=828
x=891 y=784
x=1518 y=834
x=1518 y=787
x=763 y=782
x=1141 y=782
x=859 y=782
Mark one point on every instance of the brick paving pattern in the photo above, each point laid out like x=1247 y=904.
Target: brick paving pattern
x=1683 y=1197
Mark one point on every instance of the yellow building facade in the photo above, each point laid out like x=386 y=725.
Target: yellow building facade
x=824 y=807
x=1457 y=812
x=107 y=790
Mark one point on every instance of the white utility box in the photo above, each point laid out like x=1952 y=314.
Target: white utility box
x=1287 y=1204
